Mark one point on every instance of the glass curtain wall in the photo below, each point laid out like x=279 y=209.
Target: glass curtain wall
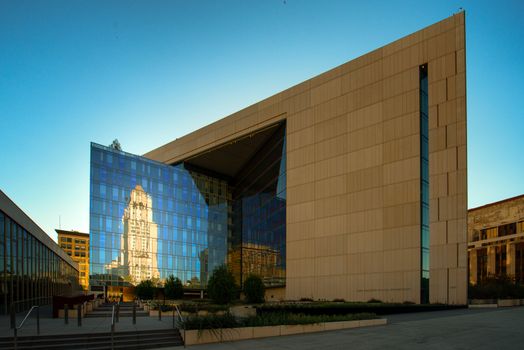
x=424 y=184
x=30 y=272
x=259 y=214
x=149 y=220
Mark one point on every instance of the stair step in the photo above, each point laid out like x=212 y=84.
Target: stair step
x=121 y=340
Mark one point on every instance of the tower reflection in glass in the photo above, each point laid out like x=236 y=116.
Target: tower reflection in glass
x=149 y=220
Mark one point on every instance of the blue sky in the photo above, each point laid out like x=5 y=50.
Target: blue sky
x=147 y=72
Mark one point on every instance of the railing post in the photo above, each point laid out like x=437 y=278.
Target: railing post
x=117 y=312
x=79 y=315
x=13 y=316
x=38 y=321
x=159 y=313
x=15 y=339
x=134 y=313
x=173 y=317
x=66 y=313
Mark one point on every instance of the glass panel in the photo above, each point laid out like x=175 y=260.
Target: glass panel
x=424 y=183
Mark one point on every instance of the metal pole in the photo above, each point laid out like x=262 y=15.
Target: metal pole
x=173 y=318
x=66 y=313
x=117 y=312
x=159 y=313
x=79 y=315
x=134 y=313
x=13 y=316
x=37 y=321
x=16 y=339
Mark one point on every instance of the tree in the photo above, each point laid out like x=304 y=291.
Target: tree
x=145 y=290
x=254 y=289
x=173 y=288
x=221 y=287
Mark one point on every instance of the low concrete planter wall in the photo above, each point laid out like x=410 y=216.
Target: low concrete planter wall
x=154 y=313
x=193 y=337
x=71 y=313
x=487 y=303
x=508 y=302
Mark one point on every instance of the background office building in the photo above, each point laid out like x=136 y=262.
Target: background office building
x=76 y=245
x=496 y=240
x=351 y=185
x=33 y=268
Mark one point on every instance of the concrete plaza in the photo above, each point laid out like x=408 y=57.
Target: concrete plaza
x=456 y=329
x=50 y=326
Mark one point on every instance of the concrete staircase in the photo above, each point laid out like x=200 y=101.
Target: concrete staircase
x=150 y=339
x=126 y=310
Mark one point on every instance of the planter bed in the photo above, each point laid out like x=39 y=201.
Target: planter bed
x=193 y=337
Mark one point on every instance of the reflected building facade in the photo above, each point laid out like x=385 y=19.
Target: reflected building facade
x=150 y=220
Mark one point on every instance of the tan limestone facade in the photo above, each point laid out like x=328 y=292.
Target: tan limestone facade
x=353 y=218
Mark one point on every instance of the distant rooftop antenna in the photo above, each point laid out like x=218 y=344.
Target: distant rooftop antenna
x=60 y=222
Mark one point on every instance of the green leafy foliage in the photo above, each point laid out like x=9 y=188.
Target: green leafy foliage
x=173 y=288
x=496 y=287
x=337 y=308
x=254 y=289
x=195 y=307
x=145 y=290
x=221 y=287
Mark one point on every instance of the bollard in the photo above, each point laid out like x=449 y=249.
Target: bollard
x=134 y=313
x=13 y=316
x=159 y=313
x=37 y=321
x=79 y=314
x=66 y=313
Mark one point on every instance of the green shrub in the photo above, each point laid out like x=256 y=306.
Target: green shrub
x=336 y=308
x=145 y=290
x=210 y=322
x=221 y=287
x=254 y=289
x=195 y=307
x=173 y=288
x=496 y=287
x=373 y=300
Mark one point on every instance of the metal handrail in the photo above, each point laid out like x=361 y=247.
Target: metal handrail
x=15 y=339
x=182 y=322
x=113 y=327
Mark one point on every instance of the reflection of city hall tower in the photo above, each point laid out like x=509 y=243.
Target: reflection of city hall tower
x=139 y=241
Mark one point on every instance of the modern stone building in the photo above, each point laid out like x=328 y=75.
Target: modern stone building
x=351 y=185
x=496 y=240
x=76 y=245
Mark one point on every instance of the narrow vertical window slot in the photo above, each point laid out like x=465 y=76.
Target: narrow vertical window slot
x=424 y=185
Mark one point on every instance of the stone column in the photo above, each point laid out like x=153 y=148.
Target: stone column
x=510 y=260
x=473 y=266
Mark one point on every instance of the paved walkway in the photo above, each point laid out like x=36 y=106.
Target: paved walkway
x=49 y=325
x=455 y=329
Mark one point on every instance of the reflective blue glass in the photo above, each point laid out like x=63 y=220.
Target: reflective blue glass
x=134 y=219
x=424 y=184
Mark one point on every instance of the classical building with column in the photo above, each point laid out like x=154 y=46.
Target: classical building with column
x=496 y=240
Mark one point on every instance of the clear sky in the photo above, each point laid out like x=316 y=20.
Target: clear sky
x=147 y=72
